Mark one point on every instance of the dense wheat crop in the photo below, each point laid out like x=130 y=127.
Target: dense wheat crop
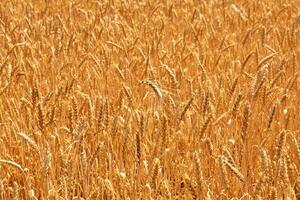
x=149 y=99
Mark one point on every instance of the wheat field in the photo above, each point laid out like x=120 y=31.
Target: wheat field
x=156 y=99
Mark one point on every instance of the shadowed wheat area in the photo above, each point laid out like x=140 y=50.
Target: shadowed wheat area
x=149 y=99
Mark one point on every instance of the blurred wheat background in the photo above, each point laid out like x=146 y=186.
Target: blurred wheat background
x=149 y=99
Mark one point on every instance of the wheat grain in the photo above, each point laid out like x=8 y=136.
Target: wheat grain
x=186 y=107
x=245 y=123
x=29 y=140
x=271 y=117
x=13 y=164
x=155 y=88
x=234 y=170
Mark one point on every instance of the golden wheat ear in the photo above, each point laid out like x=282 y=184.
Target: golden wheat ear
x=152 y=99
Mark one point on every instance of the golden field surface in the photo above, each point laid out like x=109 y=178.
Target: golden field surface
x=150 y=99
